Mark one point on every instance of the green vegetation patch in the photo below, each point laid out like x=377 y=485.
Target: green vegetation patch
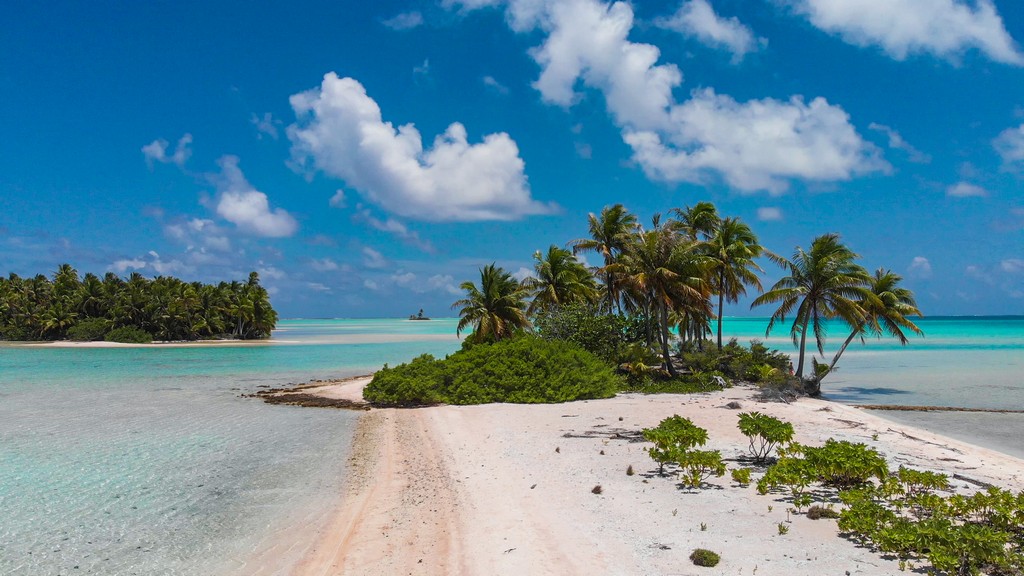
x=706 y=558
x=758 y=363
x=524 y=370
x=765 y=433
x=89 y=330
x=163 y=308
x=674 y=441
x=682 y=384
x=606 y=335
x=129 y=335
x=950 y=535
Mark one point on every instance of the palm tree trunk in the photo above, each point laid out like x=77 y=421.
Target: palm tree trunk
x=721 y=299
x=648 y=315
x=803 y=346
x=842 y=349
x=610 y=288
x=664 y=340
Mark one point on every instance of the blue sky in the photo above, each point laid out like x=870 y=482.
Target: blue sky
x=367 y=157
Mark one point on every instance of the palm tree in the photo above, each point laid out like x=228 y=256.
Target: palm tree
x=662 y=273
x=732 y=248
x=697 y=222
x=823 y=283
x=496 y=309
x=56 y=319
x=92 y=301
x=886 y=312
x=561 y=279
x=610 y=233
x=166 y=307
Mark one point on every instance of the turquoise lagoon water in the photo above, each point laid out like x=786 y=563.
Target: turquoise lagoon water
x=975 y=362
x=148 y=461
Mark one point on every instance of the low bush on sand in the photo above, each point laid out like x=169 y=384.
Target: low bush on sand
x=524 y=370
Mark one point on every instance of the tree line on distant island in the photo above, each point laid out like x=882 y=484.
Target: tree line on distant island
x=134 y=309
x=679 y=272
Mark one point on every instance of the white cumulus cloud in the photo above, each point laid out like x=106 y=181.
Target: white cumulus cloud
x=323 y=265
x=523 y=273
x=920 y=268
x=338 y=200
x=201 y=232
x=1010 y=146
x=244 y=206
x=769 y=214
x=125 y=264
x=756 y=145
x=522 y=15
x=267 y=271
x=965 y=190
x=404 y=21
x=265 y=125
x=373 y=258
x=587 y=40
x=942 y=28
x=157 y=151
x=1012 y=266
x=153 y=262
x=697 y=19
x=340 y=131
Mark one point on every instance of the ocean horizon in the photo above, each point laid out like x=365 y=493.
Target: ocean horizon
x=148 y=460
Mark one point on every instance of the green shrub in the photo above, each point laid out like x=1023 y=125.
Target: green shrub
x=843 y=464
x=840 y=464
x=604 y=335
x=952 y=536
x=696 y=466
x=757 y=363
x=89 y=330
x=673 y=436
x=791 y=471
x=706 y=558
x=741 y=476
x=412 y=384
x=764 y=433
x=16 y=333
x=682 y=384
x=523 y=370
x=763 y=355
x=129 y=335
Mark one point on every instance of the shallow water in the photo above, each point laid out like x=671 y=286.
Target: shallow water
x=967 y=362
x=148 y=461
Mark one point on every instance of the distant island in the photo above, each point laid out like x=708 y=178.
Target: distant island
x=132 y=310
x=419 y=316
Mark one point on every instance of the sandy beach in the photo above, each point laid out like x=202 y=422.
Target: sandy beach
x=508 y=489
